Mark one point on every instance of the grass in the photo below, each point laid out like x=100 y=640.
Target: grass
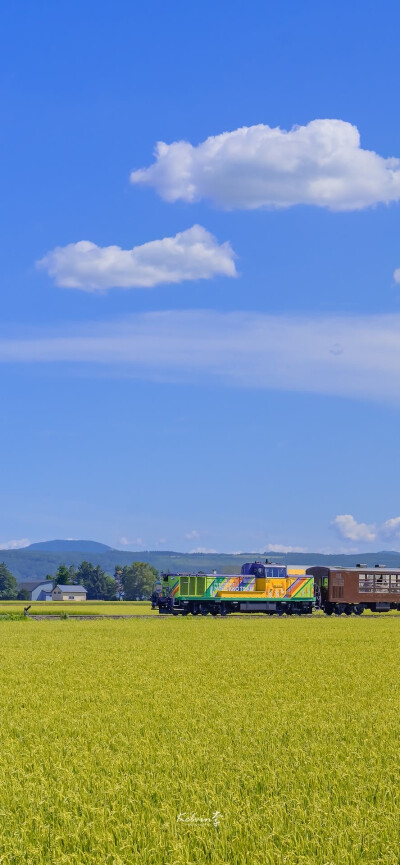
x=88 y=608
x=112 y=729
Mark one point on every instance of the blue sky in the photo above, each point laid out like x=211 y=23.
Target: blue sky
x=234 y=385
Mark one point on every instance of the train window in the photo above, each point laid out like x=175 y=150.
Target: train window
x=395 y=582
x=382 y=583
x=365 y=582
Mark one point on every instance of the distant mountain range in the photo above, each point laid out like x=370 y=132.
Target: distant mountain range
x=70 y=545
x=37 y=560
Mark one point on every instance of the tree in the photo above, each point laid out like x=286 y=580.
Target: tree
x=23 y=595
x=8 y=584
x=65 y=576
x=119 y=586
x=137 y=580
x=99 y=585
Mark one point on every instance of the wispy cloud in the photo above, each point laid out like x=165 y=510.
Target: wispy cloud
x=202 y=550
x=320 y=164
x=241 y=349
x=283 y=548
x=192 y=254
x=192 y=535
x=125 y=542
x=14 y=545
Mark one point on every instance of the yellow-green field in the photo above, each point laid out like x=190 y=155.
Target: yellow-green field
x=112 y=730
x=87 y=608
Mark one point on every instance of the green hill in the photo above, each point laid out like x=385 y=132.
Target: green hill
x=71 y=546
x=31 y=564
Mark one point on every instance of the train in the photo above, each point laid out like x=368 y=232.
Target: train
x=276 y=589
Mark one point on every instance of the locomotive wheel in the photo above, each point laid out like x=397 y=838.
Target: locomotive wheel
x=358 y=609
x=348 y=610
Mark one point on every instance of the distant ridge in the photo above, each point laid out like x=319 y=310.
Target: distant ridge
x=60 y=546
x=38 y=560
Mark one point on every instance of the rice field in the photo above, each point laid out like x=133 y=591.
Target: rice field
x=192 y=741
x=76 y=608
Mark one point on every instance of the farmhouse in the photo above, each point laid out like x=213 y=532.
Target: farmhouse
x=69 y=593
x=38 y=591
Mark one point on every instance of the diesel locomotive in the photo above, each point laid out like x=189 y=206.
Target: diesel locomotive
x=276 y=589
x=269 y=588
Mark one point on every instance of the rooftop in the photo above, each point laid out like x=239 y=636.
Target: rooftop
x=71 y=588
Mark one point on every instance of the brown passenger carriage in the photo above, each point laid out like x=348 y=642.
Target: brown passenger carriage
x=352 y=590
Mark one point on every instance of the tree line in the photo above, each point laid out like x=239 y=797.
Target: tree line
x=131 y=582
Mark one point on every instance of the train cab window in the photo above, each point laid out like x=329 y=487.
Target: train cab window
x=165 y=578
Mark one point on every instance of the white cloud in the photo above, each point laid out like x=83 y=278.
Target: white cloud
x=14 y=545
x=192 y=535
x=191 y=254
x=391 y=528
x=320 y=164
x=282 y=548
x=241 y=349
x=350 y=529
x=126 y=543
x=396 y=275
x=202 y=550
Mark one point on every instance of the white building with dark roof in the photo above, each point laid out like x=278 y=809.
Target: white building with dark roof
x=68 y=593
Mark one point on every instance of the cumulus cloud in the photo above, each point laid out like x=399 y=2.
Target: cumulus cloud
x=14 y=545
x=192 y=535
x=321 y=164
x=391 y=528
x=192 y=254
x=202 y=550
x=396 y=275
x=240 y=349
x=351 y=530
